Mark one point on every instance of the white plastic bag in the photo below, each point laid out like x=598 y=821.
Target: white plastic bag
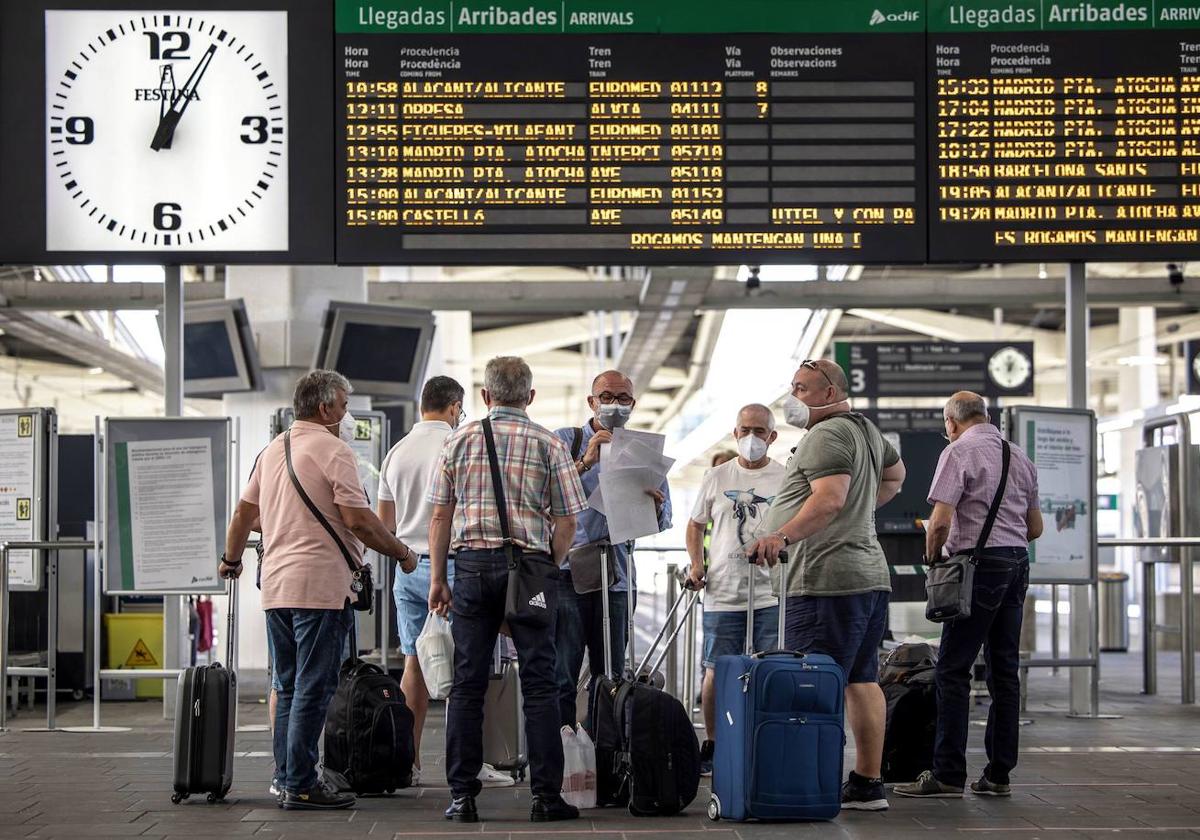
x=574 y=769
x=588 y=751
x=435 y=652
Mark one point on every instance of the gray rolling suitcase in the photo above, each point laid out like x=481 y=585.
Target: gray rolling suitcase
x=205 y=722
x=503 y=718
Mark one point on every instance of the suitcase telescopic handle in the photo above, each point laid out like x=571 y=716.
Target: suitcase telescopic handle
x=231 y=626
x=751 y=565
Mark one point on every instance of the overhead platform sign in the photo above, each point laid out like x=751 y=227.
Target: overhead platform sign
x=936 y=369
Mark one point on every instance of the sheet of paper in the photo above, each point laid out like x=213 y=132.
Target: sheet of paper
x=171 y=530
x=629 y=510
x=623 y=438
x=596 y=501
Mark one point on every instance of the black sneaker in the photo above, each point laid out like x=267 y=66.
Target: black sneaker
x=862 y=794
x=318 y=798
x=462 y=809
x=706 y=757
x=985 y=787
x=552 y=809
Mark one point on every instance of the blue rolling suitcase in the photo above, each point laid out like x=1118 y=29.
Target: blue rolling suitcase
x=780 y=733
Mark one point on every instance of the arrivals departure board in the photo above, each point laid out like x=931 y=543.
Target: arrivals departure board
x=655 y=131
x=1063 y=130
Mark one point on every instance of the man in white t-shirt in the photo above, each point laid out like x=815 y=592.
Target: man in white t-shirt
x=404 y=480
x=735 y=498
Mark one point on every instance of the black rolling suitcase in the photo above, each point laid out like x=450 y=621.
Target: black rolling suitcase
x=907 y=678
x=647 y=756
x=205 y=722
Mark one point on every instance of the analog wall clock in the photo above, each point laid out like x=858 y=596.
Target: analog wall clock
x=1010 y=368
x=166 y=131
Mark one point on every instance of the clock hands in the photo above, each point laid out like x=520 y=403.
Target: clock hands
x=168 y=122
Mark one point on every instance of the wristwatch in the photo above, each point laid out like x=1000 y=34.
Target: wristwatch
x=582 y=465
x=784 y=537
x=230 y=565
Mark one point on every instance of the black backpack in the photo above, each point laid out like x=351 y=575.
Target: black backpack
x=659 y=757
x=368 y=731
x=911 y=727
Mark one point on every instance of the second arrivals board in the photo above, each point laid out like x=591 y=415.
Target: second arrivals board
x=1063 y=130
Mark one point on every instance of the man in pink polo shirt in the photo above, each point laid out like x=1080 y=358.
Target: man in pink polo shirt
x=305 y=577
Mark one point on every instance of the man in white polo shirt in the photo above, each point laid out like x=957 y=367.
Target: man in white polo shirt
x=404 y=480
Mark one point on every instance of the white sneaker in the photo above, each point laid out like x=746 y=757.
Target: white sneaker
x=273 y=790
x=493 y=778
x=416 y=777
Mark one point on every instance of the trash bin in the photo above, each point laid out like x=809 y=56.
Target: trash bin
x=1114 y=623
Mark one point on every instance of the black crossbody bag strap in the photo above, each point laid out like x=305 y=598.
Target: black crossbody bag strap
x=999 y=497
x=498 y=489
x=577 y=444
x=320 y=517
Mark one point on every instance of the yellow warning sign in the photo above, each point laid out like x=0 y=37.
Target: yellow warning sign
x=141 y=657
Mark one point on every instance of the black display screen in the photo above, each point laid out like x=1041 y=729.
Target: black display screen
x=208 y=351
x=377 y=353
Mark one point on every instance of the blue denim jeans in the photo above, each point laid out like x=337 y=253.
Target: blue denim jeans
x=580 y=626
x=725 y=633
x=307 y=647
x=1001 y=579
x=480 y=586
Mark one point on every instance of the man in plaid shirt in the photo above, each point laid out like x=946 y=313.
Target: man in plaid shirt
x=542 y=496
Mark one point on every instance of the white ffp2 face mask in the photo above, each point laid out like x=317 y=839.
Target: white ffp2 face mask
x=799 y=413
x=614 y=415
x=346 y=427
x=752 y=447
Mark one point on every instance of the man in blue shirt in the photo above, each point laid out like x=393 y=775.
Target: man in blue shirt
x=580 y=620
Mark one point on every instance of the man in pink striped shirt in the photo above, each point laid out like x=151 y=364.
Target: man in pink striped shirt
x=967 y=477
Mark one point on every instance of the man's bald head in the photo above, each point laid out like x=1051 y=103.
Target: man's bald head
x=819 y=374
x=966 y=408
x=612 y=381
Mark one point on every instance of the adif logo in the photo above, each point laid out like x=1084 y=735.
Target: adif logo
x=538 y=600
x=878 y=17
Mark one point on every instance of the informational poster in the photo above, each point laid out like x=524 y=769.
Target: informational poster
x=1061 y=444
x=20 y=497
x=164 y=501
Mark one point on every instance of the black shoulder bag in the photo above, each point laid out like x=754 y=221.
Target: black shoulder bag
x=950 y=584
x=531 y=599
x=362 y=585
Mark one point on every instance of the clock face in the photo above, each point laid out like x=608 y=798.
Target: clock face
x=1009 y=368
x=166 y=131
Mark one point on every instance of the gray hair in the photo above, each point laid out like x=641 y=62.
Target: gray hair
x=317 y=388
x=508 y=380
x=770 y=415
x=966 y=407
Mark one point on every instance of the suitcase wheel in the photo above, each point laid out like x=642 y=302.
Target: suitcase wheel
x=213 y=798
x=176 y=798
x=714 y=808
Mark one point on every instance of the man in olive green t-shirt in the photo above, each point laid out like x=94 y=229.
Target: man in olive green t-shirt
x=837 y=583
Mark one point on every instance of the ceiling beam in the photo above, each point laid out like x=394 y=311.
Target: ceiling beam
x=557 y=296
x=540 y=336
x=72 y=341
